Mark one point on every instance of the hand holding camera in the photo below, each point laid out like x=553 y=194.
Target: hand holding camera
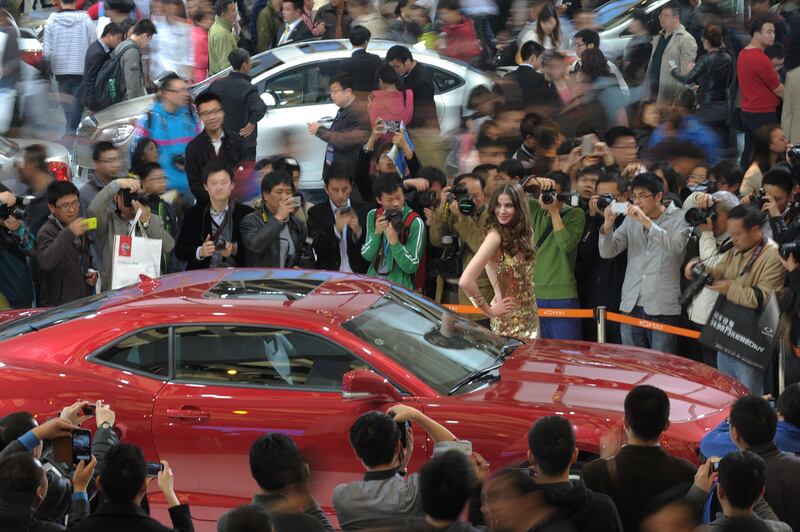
x=83 y=475
x=76 y=413
x=8 y=199
x=78 y=226
x=770 y=206
x=166 y=483
x=391 y=234
x=129 y=183
x=139 y=206
x=788 y=255
x=286 y=208
x=104 y=414
x=54 y=428
x=208 y=248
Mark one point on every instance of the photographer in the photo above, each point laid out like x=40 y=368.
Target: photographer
x=600 y=280
x=557 y=227
x=211 y=235
x=16 y=244
x=746 y=274
x=461 y=214
x=384 y=496
x=654 y=237
x=778 y=201
x=273 y=236
x=62 y=249
x=395 y=242
x=713 y=243
x=154 y=183
x=124 y=195
x=377 y=154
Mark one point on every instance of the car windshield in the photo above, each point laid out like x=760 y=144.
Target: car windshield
x=70 y=311
x=440 y=347
x=609 y=15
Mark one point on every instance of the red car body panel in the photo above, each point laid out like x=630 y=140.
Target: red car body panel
x=205 y=430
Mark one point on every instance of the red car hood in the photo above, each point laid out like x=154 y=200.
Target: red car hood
x=8 y=315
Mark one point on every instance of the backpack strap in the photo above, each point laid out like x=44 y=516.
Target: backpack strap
x=409 y=219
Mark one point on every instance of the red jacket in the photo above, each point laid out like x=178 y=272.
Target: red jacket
x=389 y=105
x=460 y=41
x=200 y=47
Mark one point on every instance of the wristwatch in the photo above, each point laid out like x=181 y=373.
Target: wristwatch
x=105 y=425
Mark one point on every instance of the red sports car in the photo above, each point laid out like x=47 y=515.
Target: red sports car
x=197 y=365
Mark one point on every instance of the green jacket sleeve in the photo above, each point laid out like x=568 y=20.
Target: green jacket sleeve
x=472 y=230
x=568 y=238
x=373 y=241
x=408 y=256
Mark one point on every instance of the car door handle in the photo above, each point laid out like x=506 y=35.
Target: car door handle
x=188 y=413
x=326 y=119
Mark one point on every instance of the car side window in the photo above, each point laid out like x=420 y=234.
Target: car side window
x=304 y=85
x=146 y=351
x=259 y=356
x=444 y=81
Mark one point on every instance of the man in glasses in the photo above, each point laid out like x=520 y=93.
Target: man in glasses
x=655 y=237
x=213 y=144
x=62 y=249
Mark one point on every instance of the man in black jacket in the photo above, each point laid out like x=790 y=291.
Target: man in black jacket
x=213 y=144
x=240 y=101
x=642 y=470
x=96 y=55
x=123 y=482
x=293 y=28
x=551 y=452
x=534 y=90
x=362 y=65
x=272 y=234
x=337 y=225
x=210 y=236
x=350 y=128
x=419 y=80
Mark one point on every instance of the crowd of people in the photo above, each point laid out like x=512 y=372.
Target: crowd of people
x=745 y=481
x=657 y=184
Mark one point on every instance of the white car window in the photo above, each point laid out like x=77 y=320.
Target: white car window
x=303 y=85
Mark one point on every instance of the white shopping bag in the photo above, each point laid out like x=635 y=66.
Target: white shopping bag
x=135 y=255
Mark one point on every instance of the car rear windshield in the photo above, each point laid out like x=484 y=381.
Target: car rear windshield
x=440 y=347
x=56 y=315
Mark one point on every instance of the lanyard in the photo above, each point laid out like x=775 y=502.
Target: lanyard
x=753 y=259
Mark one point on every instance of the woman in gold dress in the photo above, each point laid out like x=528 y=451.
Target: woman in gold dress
x=509 y=257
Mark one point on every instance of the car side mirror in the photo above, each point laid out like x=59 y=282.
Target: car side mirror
x=364 y=385
x=269 y=99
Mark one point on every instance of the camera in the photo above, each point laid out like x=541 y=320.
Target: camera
x=702 y=278
x=179 y=161
x=449 y=264
x=129 y=197
x=460 y=194
x=604 y=201
x=402 y=427
x=697 y=216
x=19 y=210
x=549 y=196
x=793 y=155
x=422 y=200
x=395 y=218
x=789 y=248
x=706 y=186
x=758 y=198
x=220 y=244
x=305 y=257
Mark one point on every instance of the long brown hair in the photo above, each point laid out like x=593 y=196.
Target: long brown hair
x=517 y=236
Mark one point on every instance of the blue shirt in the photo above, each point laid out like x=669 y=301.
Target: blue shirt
x=694 y=131
x=718 y=441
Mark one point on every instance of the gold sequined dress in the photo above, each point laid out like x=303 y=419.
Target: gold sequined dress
x=515 y=279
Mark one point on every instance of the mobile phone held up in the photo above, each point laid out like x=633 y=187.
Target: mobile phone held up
x=153 y=468
x=81 y=446
x=587 y=145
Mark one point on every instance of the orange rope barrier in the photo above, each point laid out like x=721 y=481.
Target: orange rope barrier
x=652 y=325
x=543 y=312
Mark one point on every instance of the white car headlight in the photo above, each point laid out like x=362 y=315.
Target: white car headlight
x=116 y=134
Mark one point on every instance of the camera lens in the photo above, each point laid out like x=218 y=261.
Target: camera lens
x=603 y=202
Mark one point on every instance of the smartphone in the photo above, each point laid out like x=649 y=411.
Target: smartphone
x=672 y=64
x=81 y=446
x=153 y=468
x=587 y=145
x=90 y=223
x=345 y=210
x=714 y=463
x=89 y=409
x=297 y=201
x=392 y=126
x=619 y=207
x=464 y=446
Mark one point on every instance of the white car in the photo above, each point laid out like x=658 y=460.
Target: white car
x=58 y=161
x=293 y=82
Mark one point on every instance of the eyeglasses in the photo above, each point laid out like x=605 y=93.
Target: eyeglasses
x=212 y=112
x=158 y=178
x=176 y=90
x=334 y=91
x=69 y=206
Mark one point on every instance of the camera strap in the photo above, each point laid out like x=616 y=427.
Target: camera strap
x=755 y=256
x=220 y=227
x=547 y=231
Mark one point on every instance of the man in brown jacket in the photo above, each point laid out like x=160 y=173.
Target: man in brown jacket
x=745 y=274
x=673 y=47
x=62 y=249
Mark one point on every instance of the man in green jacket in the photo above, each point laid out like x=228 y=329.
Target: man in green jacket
x=394 y=249
x=269 y=20
x=557 y=229
x=221 y=38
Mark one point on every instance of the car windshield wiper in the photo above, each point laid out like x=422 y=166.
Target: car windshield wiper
x=475 y=376
x=510 y=346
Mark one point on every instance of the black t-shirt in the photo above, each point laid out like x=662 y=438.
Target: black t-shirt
x=655 y=63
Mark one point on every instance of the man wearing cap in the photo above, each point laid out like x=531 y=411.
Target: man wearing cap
x=240 y=100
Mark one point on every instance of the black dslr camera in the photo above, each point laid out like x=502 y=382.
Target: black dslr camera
x=789 y=248
x=129 y=197
x=19 y=210
x=395 y=218
x=702 y=277
x=419 y=201
x=304 y=257
x=567 y=198
x=460 y=194
x=793 y=154
x=604 y=201
x=758 y=198
x=697 y=216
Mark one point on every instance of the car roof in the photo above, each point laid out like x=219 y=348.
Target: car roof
x=305 y=294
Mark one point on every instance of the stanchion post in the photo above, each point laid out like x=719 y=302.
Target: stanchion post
x=600 y=317
x=781 y=366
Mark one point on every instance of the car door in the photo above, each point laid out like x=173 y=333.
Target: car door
x=300 y=95
x=235 y=383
